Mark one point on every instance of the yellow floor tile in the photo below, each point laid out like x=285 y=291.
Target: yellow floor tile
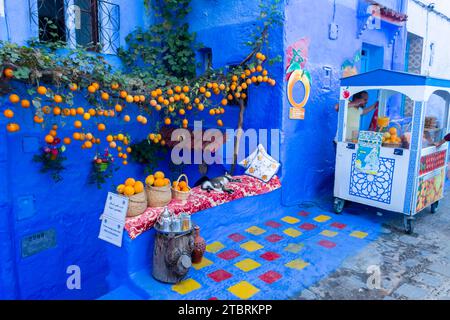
x=204 y=263
x=255 y=230
x=243 y=290
x=322 y=218
x=329 y=233
x=294 y=247
x=291 y=232
x=214 y=247
x=247 y=265
x=289 y=219
x=359 y=234
x=298 y=264
x=251 y=246
x=186 y=286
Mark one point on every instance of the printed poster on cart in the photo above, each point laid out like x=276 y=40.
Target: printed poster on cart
x=368 y=153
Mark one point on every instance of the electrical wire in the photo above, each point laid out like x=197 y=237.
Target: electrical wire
x=431 y=9
x=8 y=34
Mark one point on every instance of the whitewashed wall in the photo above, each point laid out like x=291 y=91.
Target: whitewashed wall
x=437 y=32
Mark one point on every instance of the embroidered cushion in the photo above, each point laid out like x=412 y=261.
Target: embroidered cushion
x=263 y=166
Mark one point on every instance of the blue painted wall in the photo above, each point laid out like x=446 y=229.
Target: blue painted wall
x=308 y=154
x=72 y=207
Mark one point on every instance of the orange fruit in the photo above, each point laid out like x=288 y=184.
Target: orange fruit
x=138 y=187
x=393 y=131
x=128 y=190
x=201 y=107
x=52 y=133
x=73 y=112
x=129 y=150
x=141 y=98
x=38 y=119
x=73 y=86
x=101 y=127
x=182 y=112
x=46 y=109
x=185 y=189
x=105 y=96
x=86 y=116
x=8 y=113
x=120 y=137
x=186 y=89
x=112 y=144
x=92 y=112
x=88 y=144
x=182 y=184
x=166 y=181
x=124 y=162
x=126 y=118
x=55 y=127
x=212 y=112
x=123 y=94
x=159 y=175
x=77 y=124
x=224 y=102
x=202 y=89
x=130 y=182
x=8 y=72
x=167 y=121
x=129 y=99
x=80 y=110
x=57 y=98
x=120 y=188
x=219 y=123
x=56 y=111
x=208 y=94
x=109 y=138
x=89 y=136
x=14 y=98
x=25 y=103
x=178 y=89
x=159 y=182
x=136 y=99
x=67 y=140
x=114 y=86
x=42 y=90
x=49 y=138
x=118 y=108
x=91 y=89
x=12 y=127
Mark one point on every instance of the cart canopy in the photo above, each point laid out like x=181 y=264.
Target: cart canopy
x=417 y=87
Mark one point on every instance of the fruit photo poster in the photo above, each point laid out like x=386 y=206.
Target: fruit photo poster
x=368 y=154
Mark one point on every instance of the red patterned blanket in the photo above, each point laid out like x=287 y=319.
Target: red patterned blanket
x=200 y=200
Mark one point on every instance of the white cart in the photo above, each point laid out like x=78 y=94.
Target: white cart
x=411 y=176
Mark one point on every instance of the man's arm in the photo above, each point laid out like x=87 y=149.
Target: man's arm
x=372 y=107
x=440 y=143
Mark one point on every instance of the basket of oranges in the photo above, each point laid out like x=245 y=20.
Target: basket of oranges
x=180 y=189
x=137 y=198
x=158 y=190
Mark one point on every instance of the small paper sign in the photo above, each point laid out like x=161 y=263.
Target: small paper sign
x=297 y=113
x=113 y=219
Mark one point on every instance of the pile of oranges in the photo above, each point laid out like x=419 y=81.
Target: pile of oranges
x=130 y=187
x=181 y=186
x=157 y=179
x=392 y=136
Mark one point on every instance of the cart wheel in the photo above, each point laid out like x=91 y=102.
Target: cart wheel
x=409 y=225
x=339 y=205
x=434 y=207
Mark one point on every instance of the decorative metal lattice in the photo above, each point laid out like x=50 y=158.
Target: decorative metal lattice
x=373 y=187
x=93 y=24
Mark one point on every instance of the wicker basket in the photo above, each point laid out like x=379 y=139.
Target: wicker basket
x=137 y=204
x=181 y=195
x=158 y=196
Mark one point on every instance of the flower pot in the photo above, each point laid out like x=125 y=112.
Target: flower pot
x=101 y=167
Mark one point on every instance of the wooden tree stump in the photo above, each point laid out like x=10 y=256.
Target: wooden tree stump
x=172 y=256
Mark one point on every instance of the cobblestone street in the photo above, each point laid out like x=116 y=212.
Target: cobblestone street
x=413 y=266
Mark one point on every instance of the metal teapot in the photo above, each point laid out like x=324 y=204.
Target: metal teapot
x=165 y=220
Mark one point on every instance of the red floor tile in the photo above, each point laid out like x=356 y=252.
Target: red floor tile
x=228 y=254
x=213 y=298
x=338 y=225
x=303 y=213
x=220 y=275
x=327 y=244
x=274 y=238
x=273 y=224
x=236 y=237
x=270 y=277
x=270 y=256
x=308 y=226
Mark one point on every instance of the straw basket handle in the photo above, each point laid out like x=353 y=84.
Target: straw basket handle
x=185 y=178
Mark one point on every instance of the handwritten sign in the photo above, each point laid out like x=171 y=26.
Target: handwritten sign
x=113 y=219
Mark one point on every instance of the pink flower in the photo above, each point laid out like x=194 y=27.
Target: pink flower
x=55 y=152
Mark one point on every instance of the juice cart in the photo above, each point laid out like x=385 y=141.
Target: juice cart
x=406 y=171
